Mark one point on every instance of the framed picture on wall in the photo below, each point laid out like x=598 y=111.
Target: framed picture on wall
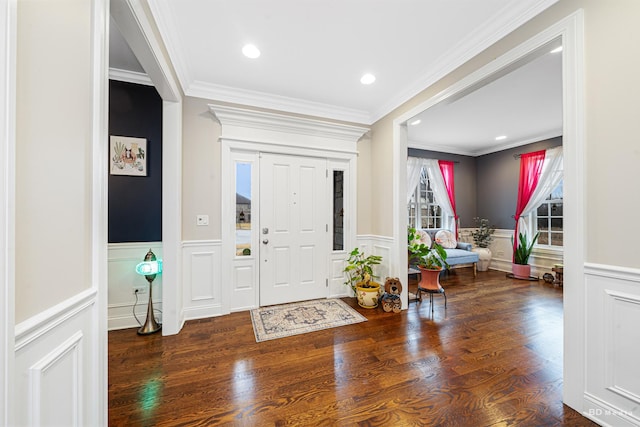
x=127 y=156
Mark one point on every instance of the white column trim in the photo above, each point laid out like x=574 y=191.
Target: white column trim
x=138 y=30
x=7 y=197
x=172 y=304
x=99 y=208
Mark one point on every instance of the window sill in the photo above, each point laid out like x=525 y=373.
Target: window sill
x=548 y=252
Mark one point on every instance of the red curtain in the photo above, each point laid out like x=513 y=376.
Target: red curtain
x=446 y=167
x=530 y=169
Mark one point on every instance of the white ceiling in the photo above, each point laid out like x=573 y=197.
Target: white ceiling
x=524 y=105
x=315 y=51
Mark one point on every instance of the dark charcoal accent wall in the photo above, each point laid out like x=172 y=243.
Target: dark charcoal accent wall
x=464 y=176
x=487 y=186
x=135 y=202
x=497 y=188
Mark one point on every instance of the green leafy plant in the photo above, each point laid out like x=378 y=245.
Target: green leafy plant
x=483 y=235
x=524 y=249
x=359 y=269
x=430 y=257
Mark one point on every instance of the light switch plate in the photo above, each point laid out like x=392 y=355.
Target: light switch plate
x=202 y=219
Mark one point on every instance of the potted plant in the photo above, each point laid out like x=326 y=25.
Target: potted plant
x=431 y=259
x=520 y=267
x=482 y=237
x=359 y=271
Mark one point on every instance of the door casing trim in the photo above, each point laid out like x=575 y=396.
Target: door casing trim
x=247 y=133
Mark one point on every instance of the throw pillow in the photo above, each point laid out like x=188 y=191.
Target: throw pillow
x=424 y=237
x=447 y=239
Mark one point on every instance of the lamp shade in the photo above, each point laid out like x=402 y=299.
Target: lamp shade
x=149 y=267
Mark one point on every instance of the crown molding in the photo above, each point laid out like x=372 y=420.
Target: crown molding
x=417 y=145
x=276 y=102
x=161 y=10
x=518 y=143
x=282 y=123
x=493 y=149
x=129 y=76
x=504 y=22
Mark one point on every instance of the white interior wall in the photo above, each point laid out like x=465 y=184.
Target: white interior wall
x=60 y=205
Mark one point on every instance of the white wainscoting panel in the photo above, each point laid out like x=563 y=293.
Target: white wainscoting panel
x=122 y=261
x=202 y=291
x=382 y=246
x=244 y=284
x=337 y=288
x=541 y=260
x=377 y=245
x=58 y=373
x=613 y=345
x=57 y=355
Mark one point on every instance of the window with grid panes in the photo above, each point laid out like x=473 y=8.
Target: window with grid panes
x=549 y=219
x=424 y=212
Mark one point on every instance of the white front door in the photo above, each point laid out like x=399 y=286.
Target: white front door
x=293 y=228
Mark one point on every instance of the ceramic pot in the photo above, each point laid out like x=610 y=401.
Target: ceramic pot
x=430 y=279
x=521 y=271
x=484 y=255
x=368 y=297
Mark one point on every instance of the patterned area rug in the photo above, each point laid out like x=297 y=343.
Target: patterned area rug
x=285 y=320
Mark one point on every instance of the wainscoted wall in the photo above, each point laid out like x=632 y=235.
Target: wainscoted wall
x=612 y=389
x=382 y=246
x=205 y=296
x=202 y=287
x=58 y=355
x=203 y=292
x=122 y=260
x=541 y=260
x=378 y=245
x=337 y=288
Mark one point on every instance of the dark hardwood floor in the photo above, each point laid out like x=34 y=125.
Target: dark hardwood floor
x=492 y=358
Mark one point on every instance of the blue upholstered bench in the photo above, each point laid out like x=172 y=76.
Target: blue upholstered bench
x=462 y=253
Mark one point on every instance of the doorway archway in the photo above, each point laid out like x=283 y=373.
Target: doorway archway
x=569 y=31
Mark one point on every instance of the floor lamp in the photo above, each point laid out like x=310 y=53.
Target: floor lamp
x=149 y=268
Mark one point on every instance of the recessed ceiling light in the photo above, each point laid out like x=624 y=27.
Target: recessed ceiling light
x=367 y=79
x=415 y=122
x=501 y=137
x=250 y=51
x=556 y=50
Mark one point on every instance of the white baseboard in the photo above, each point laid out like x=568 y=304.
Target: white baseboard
x=606 y=415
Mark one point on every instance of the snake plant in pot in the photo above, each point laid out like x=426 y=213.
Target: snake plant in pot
x=359 y=274
x=520 y=267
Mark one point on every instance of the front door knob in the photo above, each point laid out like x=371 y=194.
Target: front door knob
x=265 y=241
